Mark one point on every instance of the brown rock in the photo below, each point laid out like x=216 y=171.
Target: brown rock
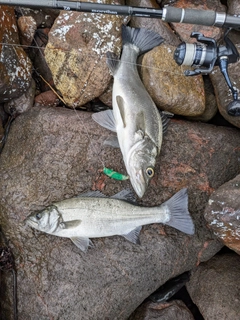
x=27 y=27
x=58 y=154
x=214 y=287
x=211 y=103
x=157 y=25
x=23 y=103
x=170 y=89
x=44 y=17
x=175 y=309
x=184 y=30
x=106 y=97
x=76 y=53
x=223 y=215
x=222 y=91
x=15 y=67
x=47 y=99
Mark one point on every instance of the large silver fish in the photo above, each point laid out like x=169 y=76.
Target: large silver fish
x=135 y=116
x=94 y=215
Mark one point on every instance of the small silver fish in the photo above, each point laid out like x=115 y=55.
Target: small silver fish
x=94 y=215
x=135 y=117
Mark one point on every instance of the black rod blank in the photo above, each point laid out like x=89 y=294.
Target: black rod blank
x=168 y=14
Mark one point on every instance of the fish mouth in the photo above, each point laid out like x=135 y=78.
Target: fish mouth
x=139 y=184
x=30 y=222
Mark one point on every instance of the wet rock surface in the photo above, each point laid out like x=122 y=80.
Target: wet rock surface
x=15 y=66
x=214 y=287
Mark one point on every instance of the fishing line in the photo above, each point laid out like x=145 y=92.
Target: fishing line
x=102 y=57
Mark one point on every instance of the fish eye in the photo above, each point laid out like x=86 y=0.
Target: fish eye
x=38 y=216
x=150 y=172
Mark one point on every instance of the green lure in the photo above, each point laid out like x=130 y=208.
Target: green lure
x=114 y=175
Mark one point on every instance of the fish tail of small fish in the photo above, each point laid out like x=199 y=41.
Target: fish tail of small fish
x=142 y=38
x=179 y=215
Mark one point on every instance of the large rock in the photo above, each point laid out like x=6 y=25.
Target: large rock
x=214 y=287
x=15 y=66
x=170 y=89
x=223 y=215
x=56 y=153
x=76 y=53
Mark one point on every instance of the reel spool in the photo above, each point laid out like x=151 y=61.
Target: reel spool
x=204 y=55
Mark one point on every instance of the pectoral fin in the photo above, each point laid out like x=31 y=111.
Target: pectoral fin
x=133 y=235
x=70 y=224
x=105 y=119
x=121 y=106
x=112 y=142
x=82 y=243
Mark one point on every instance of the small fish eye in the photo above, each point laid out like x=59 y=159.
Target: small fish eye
x=150 y=172
x=38 y=216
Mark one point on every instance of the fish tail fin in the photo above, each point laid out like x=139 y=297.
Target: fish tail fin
x=144 y=39
x=179 y=215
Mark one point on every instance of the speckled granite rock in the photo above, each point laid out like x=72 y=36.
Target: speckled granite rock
x=76 y=53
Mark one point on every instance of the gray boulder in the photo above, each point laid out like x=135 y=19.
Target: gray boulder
x=57 y=153
x=214 y=287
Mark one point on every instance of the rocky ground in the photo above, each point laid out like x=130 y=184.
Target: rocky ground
x=53 y=75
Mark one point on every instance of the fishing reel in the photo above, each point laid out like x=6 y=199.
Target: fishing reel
x=204 y=55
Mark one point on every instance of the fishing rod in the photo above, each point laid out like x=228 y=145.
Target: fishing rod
x=168 y=14
x=202 y=56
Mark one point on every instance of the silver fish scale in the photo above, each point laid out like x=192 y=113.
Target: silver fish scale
x=105 y=217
